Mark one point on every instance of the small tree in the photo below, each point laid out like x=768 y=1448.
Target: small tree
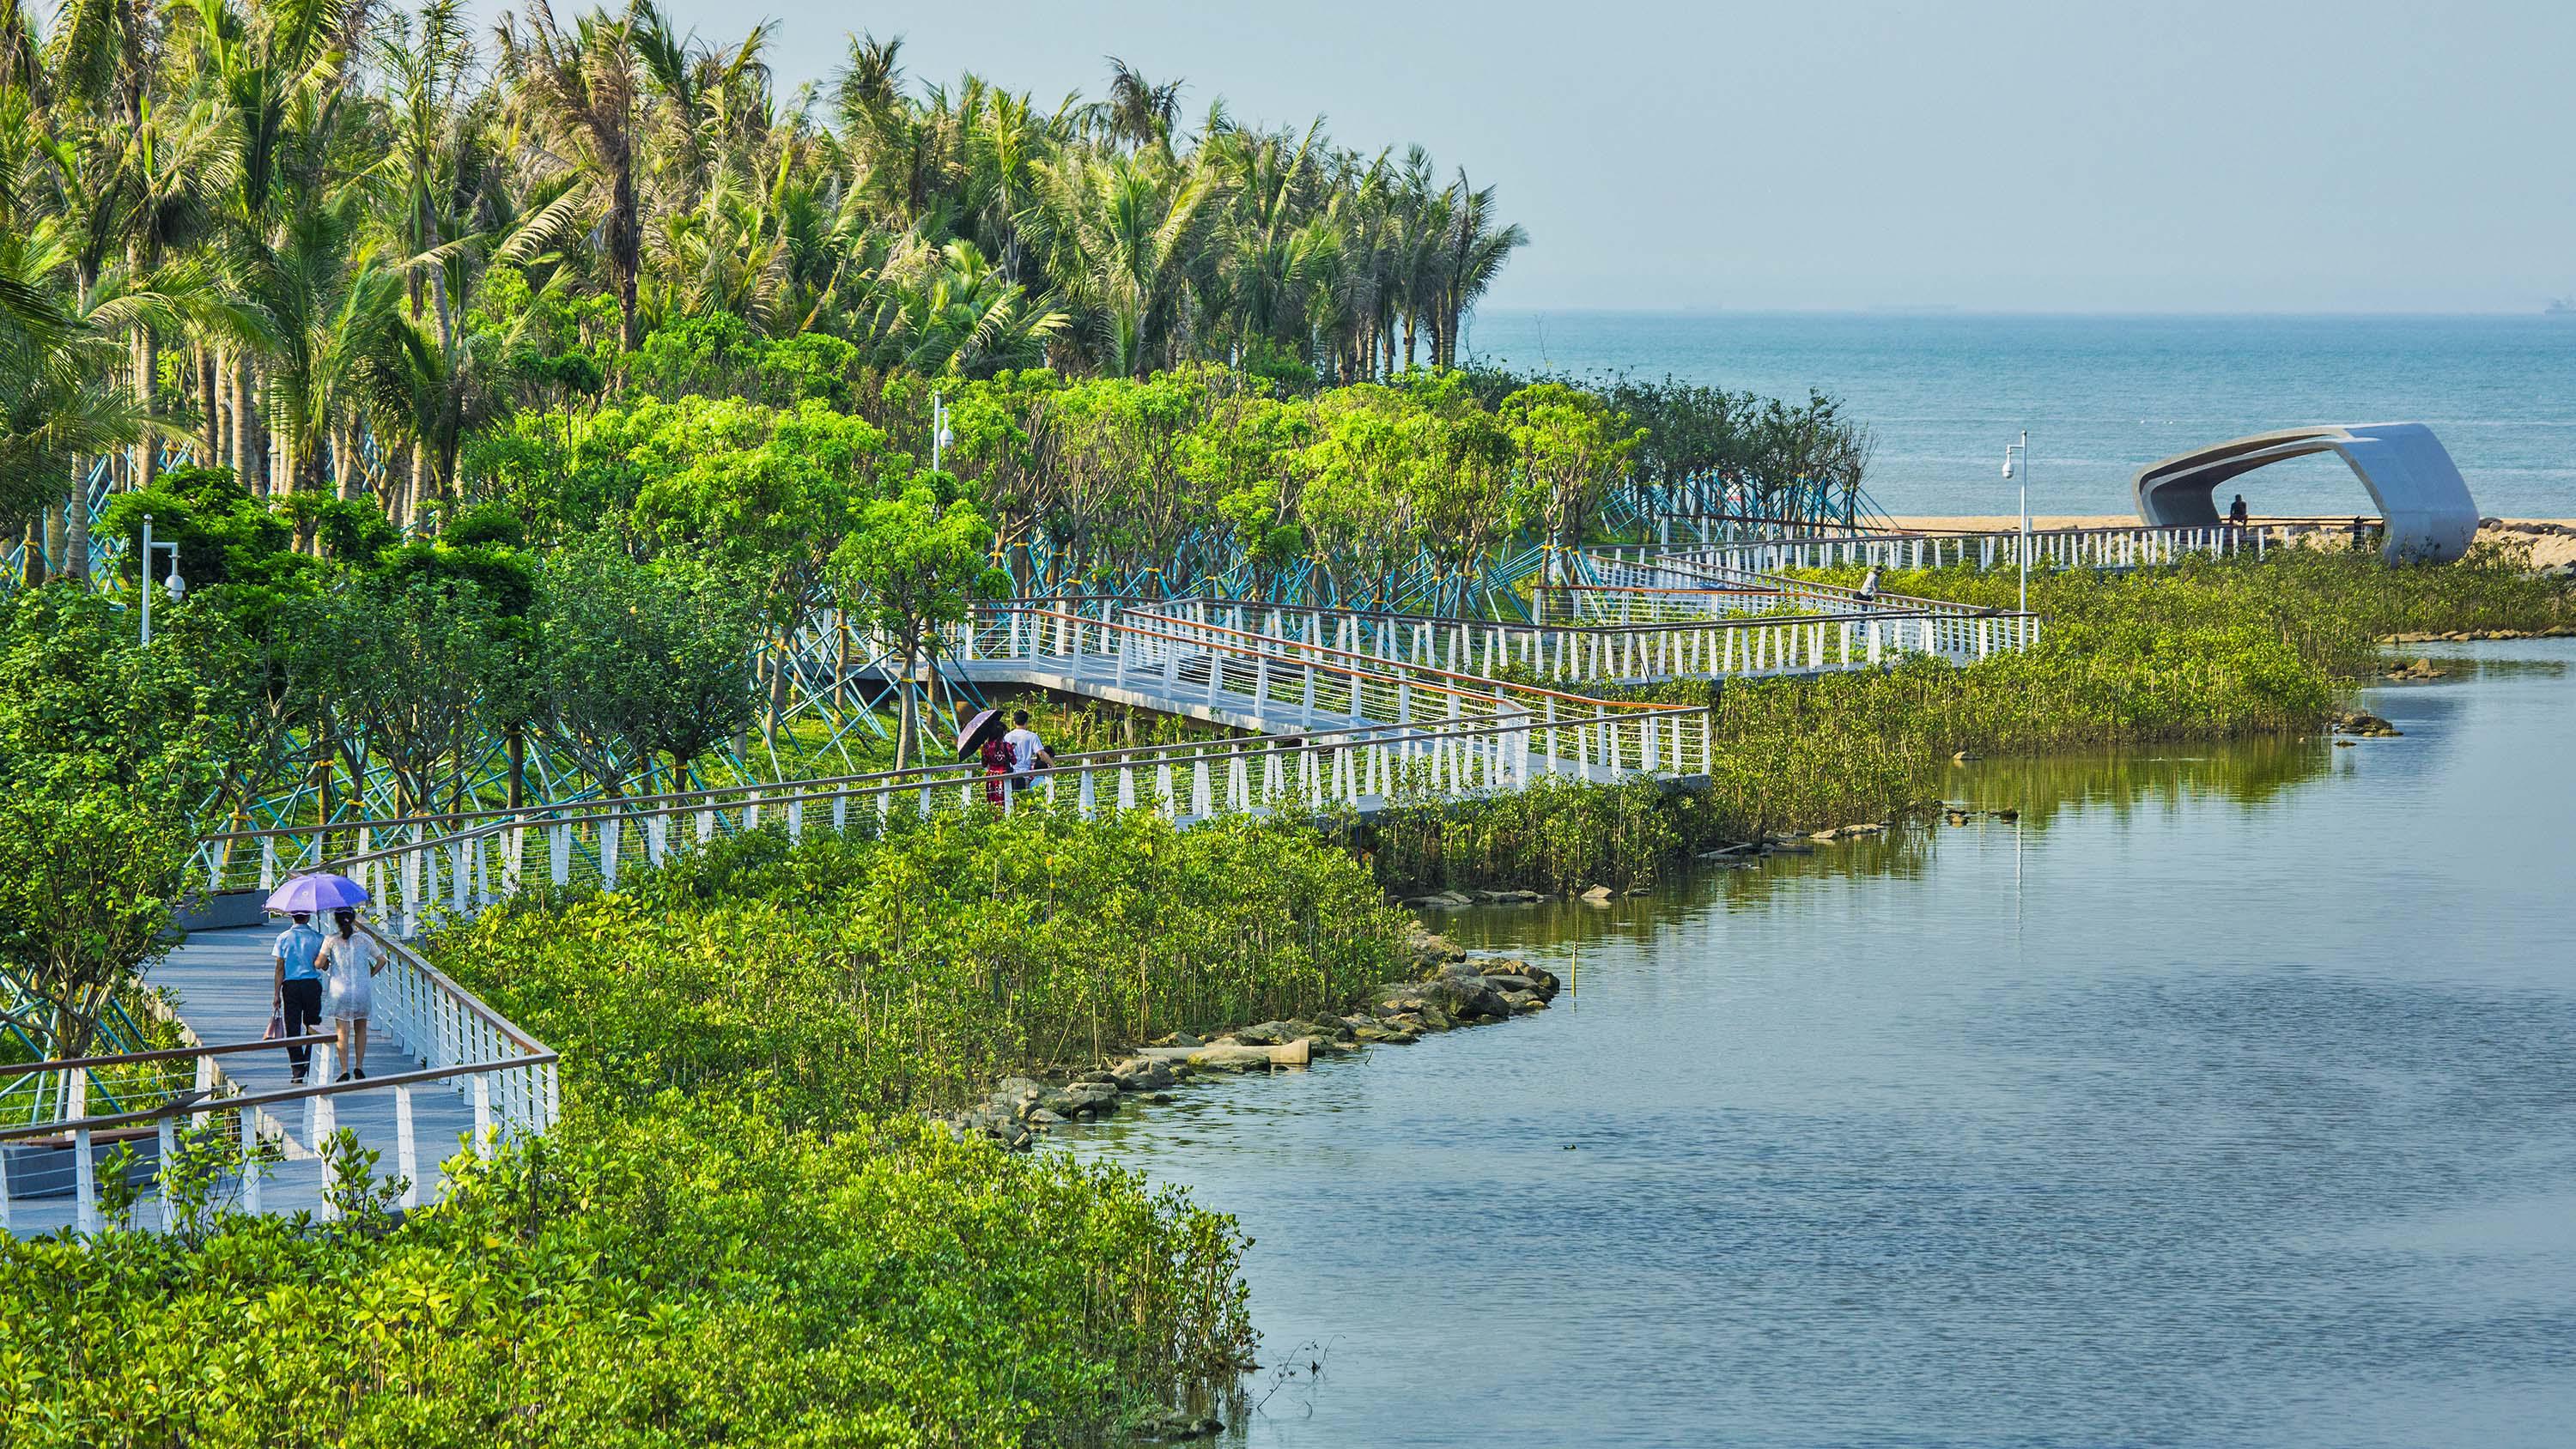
x=85 y=889
x=912 y=561
x=641 y=661
x=1570 y=447
x=406 y=668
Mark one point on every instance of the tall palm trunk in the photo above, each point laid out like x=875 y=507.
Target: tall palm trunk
x=241 y=417
x=205 y=378
x=147 y=378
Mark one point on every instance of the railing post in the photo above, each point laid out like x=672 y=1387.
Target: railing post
x=314 y=1109
x=406 y=1152
x=167 y=1143
x=250 y=1159
x=483 y=1115
x=84 y=1183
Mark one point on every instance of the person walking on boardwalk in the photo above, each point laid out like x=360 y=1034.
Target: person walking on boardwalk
x=1029 y=754
x=299 y=988
x=995 y=753
x=350 y=961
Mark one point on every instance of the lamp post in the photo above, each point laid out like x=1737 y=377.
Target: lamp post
x=177 y=586
x=2023 y=448
x=939 y=438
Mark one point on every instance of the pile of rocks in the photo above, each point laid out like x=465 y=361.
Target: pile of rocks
x=2464 y=636
x=2363 y=724
x=1453 y=900
x=1449 y=988
x=1962 y=814
x=2420 y=669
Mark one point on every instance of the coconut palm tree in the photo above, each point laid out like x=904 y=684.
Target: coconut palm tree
x=583 y=90
x=1472 y=254
x=1118 y=233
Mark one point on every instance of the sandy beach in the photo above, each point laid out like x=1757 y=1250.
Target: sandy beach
x=2552 y=540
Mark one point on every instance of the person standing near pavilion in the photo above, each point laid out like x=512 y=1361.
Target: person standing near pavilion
x=299 y=988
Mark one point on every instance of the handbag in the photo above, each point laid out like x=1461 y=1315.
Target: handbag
x=276 y=1023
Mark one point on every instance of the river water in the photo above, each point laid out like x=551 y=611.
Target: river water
x=2227 y=1098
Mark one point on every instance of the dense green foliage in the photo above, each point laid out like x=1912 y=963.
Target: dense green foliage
x=105 y=750
x=738 y=1234
x=852 y=974
x=687 y=1275
x=276 y=230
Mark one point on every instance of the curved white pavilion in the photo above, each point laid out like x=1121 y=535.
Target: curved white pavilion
x=2410 y=475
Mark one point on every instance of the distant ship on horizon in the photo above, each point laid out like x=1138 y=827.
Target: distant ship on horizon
x=2560 y=307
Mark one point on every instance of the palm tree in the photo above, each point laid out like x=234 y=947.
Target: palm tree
x=1472 y=255
x=1118 y=233
x=1138 y=111
x=963 y=318
x=56 y=403
x=584 y=89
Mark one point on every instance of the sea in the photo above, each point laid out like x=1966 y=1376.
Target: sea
x=2102 y=396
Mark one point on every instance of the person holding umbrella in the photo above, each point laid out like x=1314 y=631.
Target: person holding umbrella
x=345 y=962
x=982 y=740
x=299 y=989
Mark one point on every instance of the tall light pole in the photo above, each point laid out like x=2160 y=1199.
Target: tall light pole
x=939 y=439
x=2023 y=448
x=177 y=586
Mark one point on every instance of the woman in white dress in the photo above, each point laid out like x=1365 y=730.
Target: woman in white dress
x=349 y=963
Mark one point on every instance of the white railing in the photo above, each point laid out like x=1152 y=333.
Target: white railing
x=2099 y=548
x=252 y=1125
x=1841 y=632
x=437 y=874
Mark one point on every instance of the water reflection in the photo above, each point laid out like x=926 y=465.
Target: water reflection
x=2225 y=1098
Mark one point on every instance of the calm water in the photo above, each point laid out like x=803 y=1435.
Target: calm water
x=2102 y=396
x=2228 y=1099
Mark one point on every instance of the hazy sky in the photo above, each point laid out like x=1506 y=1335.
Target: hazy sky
x=2079 y=156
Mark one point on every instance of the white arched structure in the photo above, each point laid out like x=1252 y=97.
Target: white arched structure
x=2409 y=474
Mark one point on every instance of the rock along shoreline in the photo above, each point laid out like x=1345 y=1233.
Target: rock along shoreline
x=1449 y=987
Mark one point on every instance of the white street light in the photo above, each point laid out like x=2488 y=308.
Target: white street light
x=940 y=437
x=177 y=586
x=2023 y=448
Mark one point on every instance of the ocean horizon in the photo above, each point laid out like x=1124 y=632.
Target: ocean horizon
x=2103 y=394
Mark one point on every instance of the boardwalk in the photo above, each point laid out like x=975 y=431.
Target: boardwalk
x=221 y=982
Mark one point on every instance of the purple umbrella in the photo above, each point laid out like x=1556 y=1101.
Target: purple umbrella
x=316 y=894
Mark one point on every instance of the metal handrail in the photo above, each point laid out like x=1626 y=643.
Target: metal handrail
x=200 y=1104
x=64 y=1064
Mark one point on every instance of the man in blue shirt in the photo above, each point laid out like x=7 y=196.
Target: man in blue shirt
x=299 y=986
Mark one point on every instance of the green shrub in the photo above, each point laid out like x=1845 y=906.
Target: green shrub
x=689 y=1275
x=849 y=975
